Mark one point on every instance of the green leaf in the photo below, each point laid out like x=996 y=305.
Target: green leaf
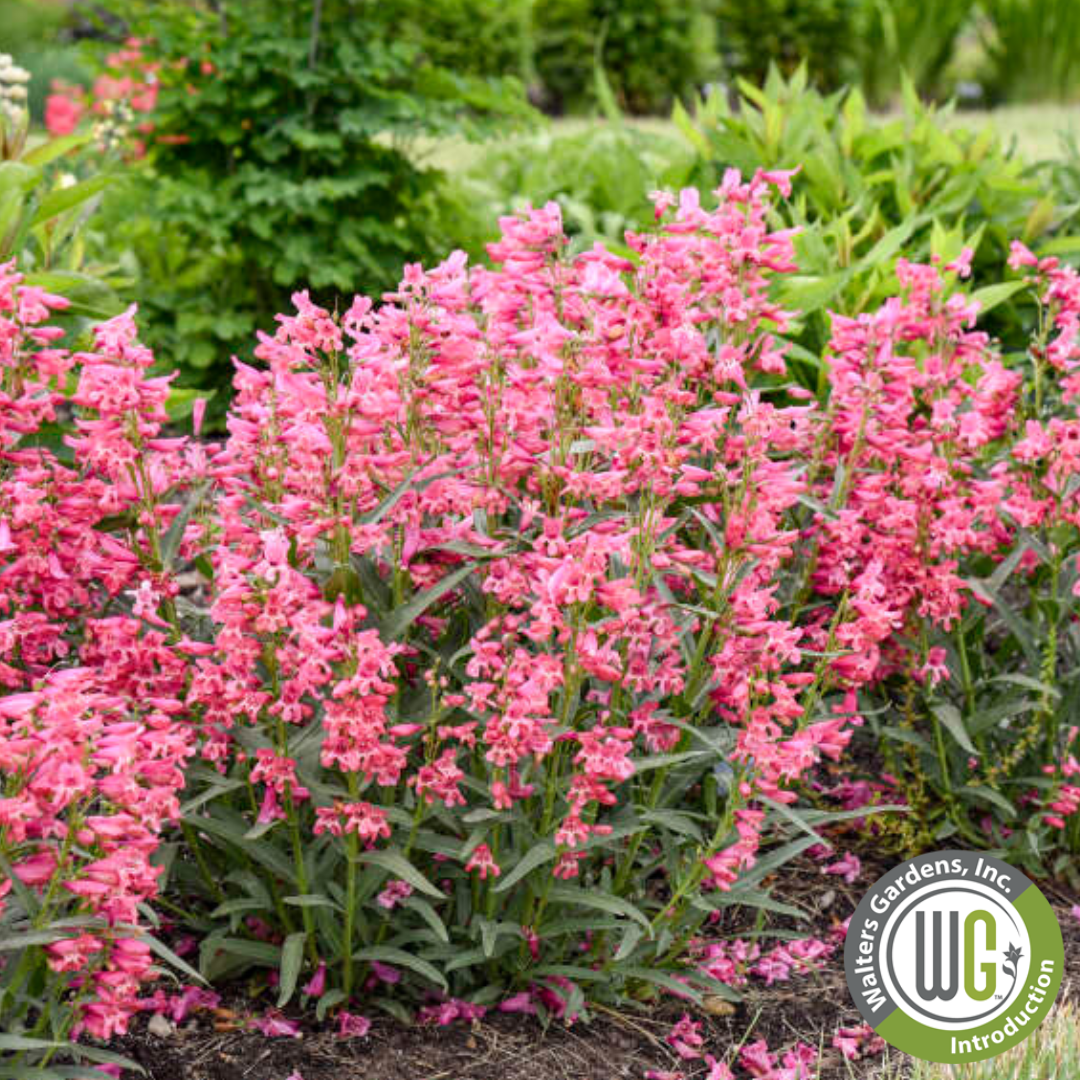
x=170 y=543
x=429 y=915
x=985 y=592
x=260 y=952
x=312 y=900
x=593 y=898
x=628 y=944
x=777 y=858
x=29 y=938
x=663 y=980
x=991 y=295
x=536 y=856
x=950 y=718
x=980 y=793
x=292 y=960
x=393 y=860
x=56 y=202
x=388 y=955
x=403 y=617
x=54 y=148
x=171 y=958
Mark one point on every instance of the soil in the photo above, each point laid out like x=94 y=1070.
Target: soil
x=615 y=1045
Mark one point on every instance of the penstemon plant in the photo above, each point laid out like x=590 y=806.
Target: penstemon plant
x=486 y=659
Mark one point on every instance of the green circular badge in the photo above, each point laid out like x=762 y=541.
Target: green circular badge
x=954 y=956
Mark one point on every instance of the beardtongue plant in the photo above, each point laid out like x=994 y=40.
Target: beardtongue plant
x=521 y=605
x=495 y=590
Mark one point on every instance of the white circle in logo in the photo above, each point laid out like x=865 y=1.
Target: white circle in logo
x=954 y=954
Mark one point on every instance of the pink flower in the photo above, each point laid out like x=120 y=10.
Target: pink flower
x=274 y=1025
x=317 y=983
x=686 y=1038
x=62 y=114
x=352 y=1025
x=483 y=862
x=848 y=867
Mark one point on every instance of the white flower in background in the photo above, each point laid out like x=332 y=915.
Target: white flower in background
x=13 y=80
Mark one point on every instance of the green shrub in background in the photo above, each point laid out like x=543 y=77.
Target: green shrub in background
x=905 y=37
x=1033 y=47
x=474 y=37
x=872 y=189
x=280 y=162
x=825 y=35
x=654 y=52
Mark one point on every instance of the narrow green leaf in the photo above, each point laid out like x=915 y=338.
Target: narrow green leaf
x=54 y=148
x=536 y=856
x=170 y=543
x=429 y=915
x=403 y=617
x=601 y=901
x=991 y=295
x=388 y=955
x=171 y=958
x=292 y=960
x=663 y=980
x=950 y=718
x=393 y=860
x=56 y=202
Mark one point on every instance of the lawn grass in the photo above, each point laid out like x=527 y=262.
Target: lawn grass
x=1036 y=129
x=1051 y=1053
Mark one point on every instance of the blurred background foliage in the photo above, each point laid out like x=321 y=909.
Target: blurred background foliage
x=323 y=143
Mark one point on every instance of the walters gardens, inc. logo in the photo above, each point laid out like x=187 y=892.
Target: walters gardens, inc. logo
x=954 y=956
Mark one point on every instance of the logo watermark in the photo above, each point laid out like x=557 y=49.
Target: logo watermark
x=954 y=956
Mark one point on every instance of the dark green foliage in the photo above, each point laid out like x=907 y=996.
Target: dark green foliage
x=292 y=171
x=823 y=34
x=474 y=37
x=913 y=39
x=1033 y=46
x=653 y=51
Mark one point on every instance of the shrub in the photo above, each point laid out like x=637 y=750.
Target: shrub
x=491 y=595
x=987 y=741
x=1033 y=46
x=489 y=38
x=905 y=38
x=653 y=53
x=823 y=35
x=278 y=156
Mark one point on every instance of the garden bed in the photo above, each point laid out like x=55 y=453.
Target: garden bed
x=615 y=1044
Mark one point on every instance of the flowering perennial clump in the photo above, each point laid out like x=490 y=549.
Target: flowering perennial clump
x=481 y=658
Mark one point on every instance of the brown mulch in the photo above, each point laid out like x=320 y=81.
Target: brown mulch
x=617 y=1045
